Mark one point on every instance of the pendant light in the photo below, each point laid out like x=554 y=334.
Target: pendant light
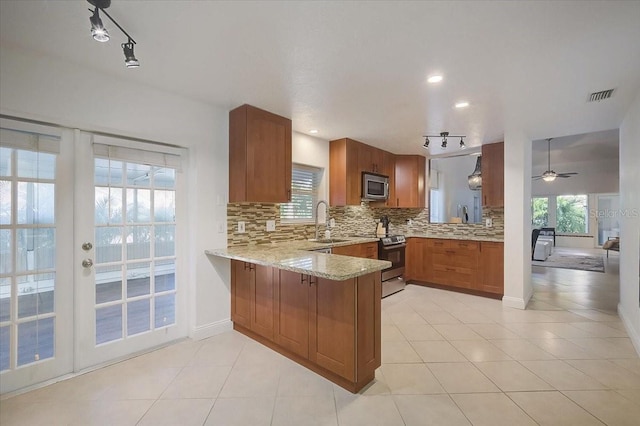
x=475 y=178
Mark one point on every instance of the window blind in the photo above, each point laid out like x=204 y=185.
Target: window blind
x=305 y=181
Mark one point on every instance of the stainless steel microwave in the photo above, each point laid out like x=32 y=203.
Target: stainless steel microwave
x=375 y=186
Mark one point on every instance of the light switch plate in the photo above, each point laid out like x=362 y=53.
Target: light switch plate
x=241 y=227
x=488 y=222
x=271 y=225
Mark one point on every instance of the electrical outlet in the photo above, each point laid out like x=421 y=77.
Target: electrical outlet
x=332 y=223
x=488 y=222
x=271 y=225
x=241 y=227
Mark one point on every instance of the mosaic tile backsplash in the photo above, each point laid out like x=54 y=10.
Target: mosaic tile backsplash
x=350 y=220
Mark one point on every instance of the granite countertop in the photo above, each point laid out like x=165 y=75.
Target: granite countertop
x=423 y=234
x=296 y=256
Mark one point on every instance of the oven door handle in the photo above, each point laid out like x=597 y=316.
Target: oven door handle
x=397 y=246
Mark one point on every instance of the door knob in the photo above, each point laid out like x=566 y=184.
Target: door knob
x=87 y=263
x=87 y=246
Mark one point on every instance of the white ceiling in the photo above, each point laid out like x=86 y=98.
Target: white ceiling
x=595 y=146
x=359 y=69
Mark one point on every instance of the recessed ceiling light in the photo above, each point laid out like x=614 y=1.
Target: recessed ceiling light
x=435 y=79
x=463 y=104
x=313 y=131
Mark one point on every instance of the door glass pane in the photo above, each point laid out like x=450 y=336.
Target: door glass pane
x=5 y=344
x=108 y=244
x=107 y=172
x=35 y=203
x=138 y=242
x=6 y=255
x=165 y=310
x=165 y=275
x=5 y=161
x=138 y=279
x=108 y=324
x=164 y=240
x=138 y=175
x=138 y=205
x=5 y=299
x=32 y=164
x=164 y=204
x=35 y=249
x=35 y=340
x=35 y=294
x=138 y=316
x=5 y=202
x=108 y=283
x=608 y=217
x=108 y=205
x=164 y=177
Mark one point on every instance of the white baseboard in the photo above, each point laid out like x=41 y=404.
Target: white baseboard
x=634 y=334
x=516 y=302
x=207 y=330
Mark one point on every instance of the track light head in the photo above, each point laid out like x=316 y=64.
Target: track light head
x=426 y=142
x=98 y=31
x=462 y=145
x=129 y=57
x=444 y=139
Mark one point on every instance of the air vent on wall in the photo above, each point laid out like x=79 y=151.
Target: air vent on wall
x=599 y=96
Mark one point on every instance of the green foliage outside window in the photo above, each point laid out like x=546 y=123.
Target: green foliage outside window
x=540 y=212
x=571 y=214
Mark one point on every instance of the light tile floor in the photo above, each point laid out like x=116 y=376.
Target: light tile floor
x=448 y=359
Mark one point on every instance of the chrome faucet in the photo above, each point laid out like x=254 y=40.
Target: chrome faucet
x=326 y=210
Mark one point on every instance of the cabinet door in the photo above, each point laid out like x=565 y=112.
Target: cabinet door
x=242 y=282
x=409 y=180
x=262 y=314
x=389 y=161
x=368 y=324
x=345 y=180
x=492 y=267
x=366 y=158
x=292 y=307
x=350 y=250
x=493 y=175
x=332 y=325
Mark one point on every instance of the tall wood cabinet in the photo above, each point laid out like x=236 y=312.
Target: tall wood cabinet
x=259 y=156
x=410 y=181
x=493 y=175
x=345 y=182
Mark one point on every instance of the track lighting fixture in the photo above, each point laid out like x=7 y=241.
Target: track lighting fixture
x=100 y=33
x=129 y=58
x=444 y=136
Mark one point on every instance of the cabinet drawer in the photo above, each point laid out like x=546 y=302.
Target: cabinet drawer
x=370 y=250
x=466 y=245
x=454 y=276
x=433 y=243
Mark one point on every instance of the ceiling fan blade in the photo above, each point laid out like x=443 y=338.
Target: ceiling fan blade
x=563 y=176
x=568 y=173
x=536 y=177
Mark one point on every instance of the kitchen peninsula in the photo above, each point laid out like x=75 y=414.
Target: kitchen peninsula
x=320 y=310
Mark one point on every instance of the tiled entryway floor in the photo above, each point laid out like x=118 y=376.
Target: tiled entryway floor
x=448 y=359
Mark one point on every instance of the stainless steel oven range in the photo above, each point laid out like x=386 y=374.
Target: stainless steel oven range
x=392 y=248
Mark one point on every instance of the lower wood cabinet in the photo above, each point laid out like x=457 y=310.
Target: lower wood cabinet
x=365 y=250
x=331 y=327
x=458 y=264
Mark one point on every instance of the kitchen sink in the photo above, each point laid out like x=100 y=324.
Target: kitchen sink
x=327 y=240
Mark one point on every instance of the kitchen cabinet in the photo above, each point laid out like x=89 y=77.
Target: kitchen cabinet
x=410 y=181
x=259 y=156
x=348 y=158
x=475 y=266
x=345 y=179
x=252 y=297
x=365 y=250
x=331 y=327
x=418 y=260
x=492 y=267
x=493 y=175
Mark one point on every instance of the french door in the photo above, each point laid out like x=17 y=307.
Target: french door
x=90 y=267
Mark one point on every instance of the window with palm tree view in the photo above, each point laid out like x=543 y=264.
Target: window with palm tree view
x=568 y=214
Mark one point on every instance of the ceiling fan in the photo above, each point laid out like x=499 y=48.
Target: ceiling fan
x=550 y=175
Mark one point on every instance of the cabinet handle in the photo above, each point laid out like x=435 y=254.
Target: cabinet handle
x=311 y=282
x=289 y=194
x=450 y=251
x=397 y=202
x=302 y=280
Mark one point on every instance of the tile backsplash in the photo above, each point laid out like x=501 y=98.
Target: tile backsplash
x=350 y=220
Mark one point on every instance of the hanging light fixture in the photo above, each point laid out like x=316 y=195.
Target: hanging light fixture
x=100 y=33
x=444 y=136
x=475 y=178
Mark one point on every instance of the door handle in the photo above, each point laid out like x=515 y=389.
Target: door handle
x=87 y=246
x=87 y=263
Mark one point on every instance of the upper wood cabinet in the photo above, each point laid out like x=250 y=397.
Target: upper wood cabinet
x=259 y=156
x=409 y=181
x=493 y=175
x=345 y=186
x=370 y=159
